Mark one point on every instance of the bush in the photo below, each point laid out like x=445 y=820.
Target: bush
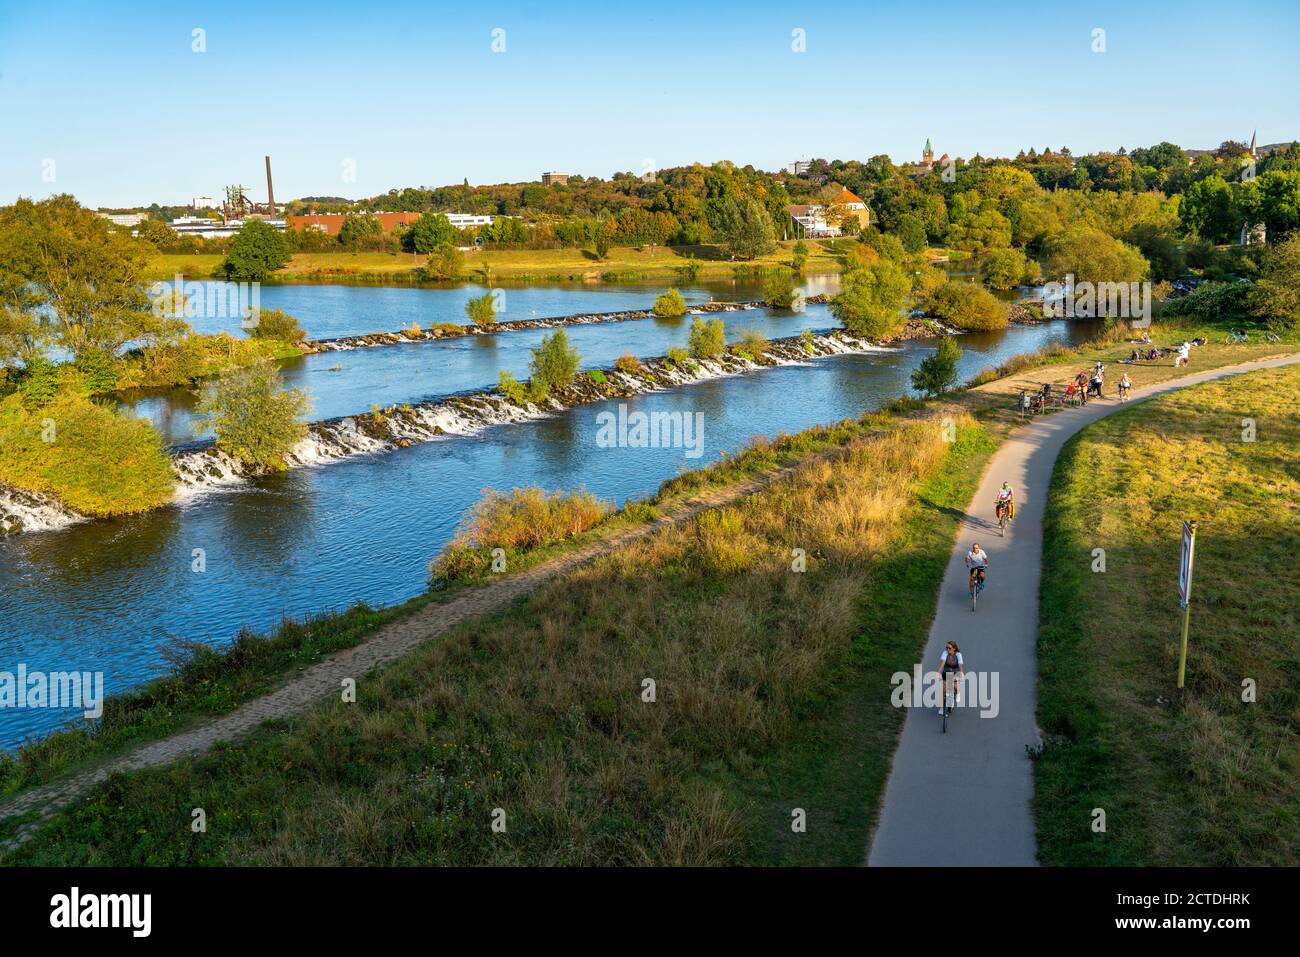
x=753 y=343
x=597 y=376
x=519 y=522
x=93 y=458
x=512 y=388
x=1276 y=296
x=554 y=362
x=447 y=262
x=255 y=419
x=799 y=258
x=670 y=303
x=968 y=306
x=278 y=325
x=627 y=363
x=1213 y=302
x=871 y=303
x=937 y=372
x=1092 y=256
x=779 y=290
x=482 y=310
x=708 y=338
x=678 y=356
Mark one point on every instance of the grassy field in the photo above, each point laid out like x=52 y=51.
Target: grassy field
x=1199 y=777
x=624 y=263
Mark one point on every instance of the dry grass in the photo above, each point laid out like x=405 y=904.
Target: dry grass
x=1201 y=778
x=542 y=711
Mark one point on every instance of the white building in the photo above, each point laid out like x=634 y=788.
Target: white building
x=798 y=167
x=203 y=202
x=810 y=221
x=125 y=219
x=468 y=220
x=215 y=229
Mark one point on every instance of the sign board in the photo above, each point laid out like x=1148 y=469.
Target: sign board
x=1185 y=567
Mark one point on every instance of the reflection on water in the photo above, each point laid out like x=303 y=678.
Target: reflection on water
x=106 y=595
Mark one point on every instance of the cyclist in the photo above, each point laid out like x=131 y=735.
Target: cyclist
x=977 y=560
x=1006 y=498
x=950 y=664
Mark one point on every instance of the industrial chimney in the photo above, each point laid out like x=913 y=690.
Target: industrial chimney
x=270 y=193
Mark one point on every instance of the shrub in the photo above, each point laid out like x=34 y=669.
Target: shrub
x=1213 y=302
x=90 y=456
x=799 y=259
x=670 y=303
x=753 y=343
x=871 y=303
x=595 y=375
x=937 y=372
x=1276 y=297
x=482 y=310
x=255 y=419
x=678 y=356
x=447 y=262
x=554 y=362
x=968 y=306
x=779 y=290
x=279 y=325
x=512 y=388
x=627 y=363
x=708 y=338
x=523 y=520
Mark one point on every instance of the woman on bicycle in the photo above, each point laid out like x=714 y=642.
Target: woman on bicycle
x=950 y=664
x=1006 y=499
x=977 y=560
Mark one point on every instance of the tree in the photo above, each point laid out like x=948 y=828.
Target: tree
x=1003 y=268
x=1092 y=256
x=1276 y=296
x=871 y=303
x=361 y=232
x=482 y=310
x=257 y=250
x=968 y=306
x=745 y=229
x=555 y=362
x=447 y=262
x=1210 y=210
x=430 y=231
x=157 y=234
x=79 y=277
x=937 y=372
x=670 y=303
x=779 y=290
x=910 y=232
x=255 y=419
x=278 y=325
x=708 y=338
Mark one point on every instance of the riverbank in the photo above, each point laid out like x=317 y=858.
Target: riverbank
x=623 y=264
x=1207 y=776
x=820 y=758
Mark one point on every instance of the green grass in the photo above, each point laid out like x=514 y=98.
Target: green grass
x=1186 y=778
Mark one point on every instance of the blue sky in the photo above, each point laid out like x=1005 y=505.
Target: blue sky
x=413 y=94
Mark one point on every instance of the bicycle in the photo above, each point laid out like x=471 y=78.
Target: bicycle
x=1003 y=512
x=976 y=585
x=1238 y=337
x=949 y=697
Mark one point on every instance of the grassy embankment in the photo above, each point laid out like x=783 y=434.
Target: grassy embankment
x=1190 y=778
x=622 y=264
x=835 y=755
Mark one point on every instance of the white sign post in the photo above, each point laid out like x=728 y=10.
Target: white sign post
x=1185 y=592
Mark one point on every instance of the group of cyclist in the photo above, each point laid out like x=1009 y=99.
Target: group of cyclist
x=977 y=561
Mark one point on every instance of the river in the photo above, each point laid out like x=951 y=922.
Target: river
x=108 y=596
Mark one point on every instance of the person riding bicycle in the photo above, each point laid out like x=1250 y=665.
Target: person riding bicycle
x=977 y=560
x=1006 y=498
x=950 y=663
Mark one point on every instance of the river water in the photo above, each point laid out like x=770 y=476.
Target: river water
x=108 y=596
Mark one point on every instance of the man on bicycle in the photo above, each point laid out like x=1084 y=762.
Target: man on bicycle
x=1006 y=499
x=977 y=560
x=950 y=664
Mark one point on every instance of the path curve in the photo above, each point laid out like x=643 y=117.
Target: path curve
x=964 y=798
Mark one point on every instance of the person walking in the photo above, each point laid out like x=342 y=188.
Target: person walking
x=1124 y=386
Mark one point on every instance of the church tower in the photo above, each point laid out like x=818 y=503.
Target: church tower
x=927 y=155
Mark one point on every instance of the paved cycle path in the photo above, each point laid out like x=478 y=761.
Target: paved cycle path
x=963 y=799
